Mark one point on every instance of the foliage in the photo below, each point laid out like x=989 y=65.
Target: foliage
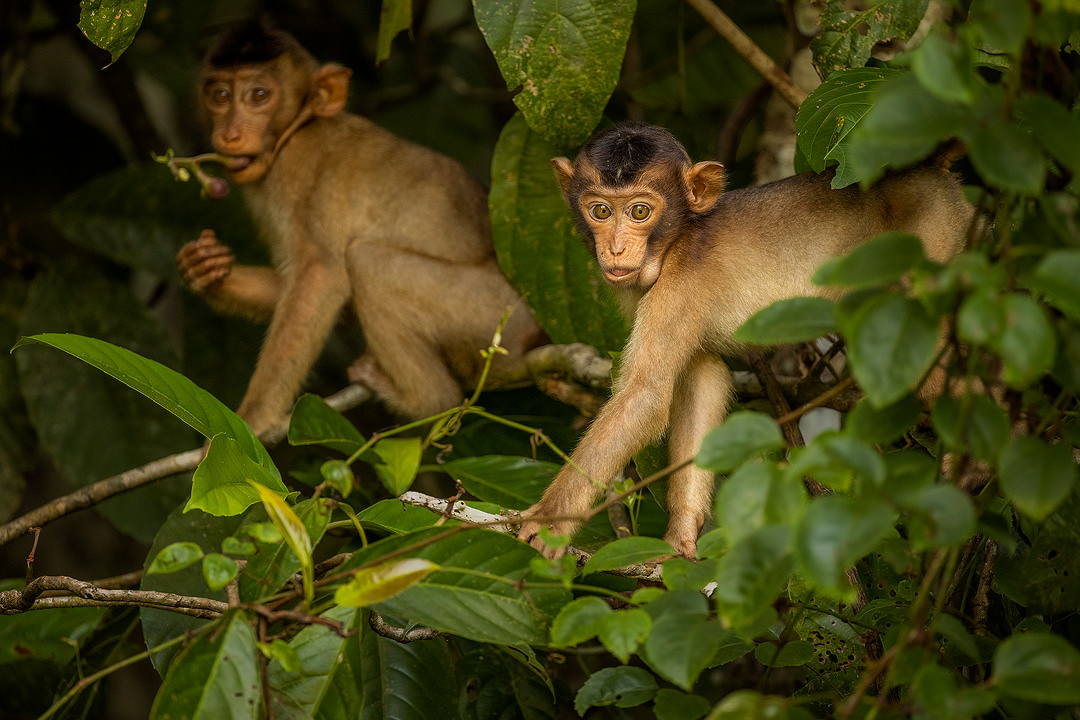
x=936 y=577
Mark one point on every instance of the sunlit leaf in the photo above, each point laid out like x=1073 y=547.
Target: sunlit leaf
x=222 y=484
x=384 y=581
x=176 y=556
x=111 y=24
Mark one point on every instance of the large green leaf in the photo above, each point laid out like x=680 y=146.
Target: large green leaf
x=756 y=495
x=90 y=426
x=111 y=24
x=313 y=422
x=481 y=601
x=220 y=485
x=512 y=482
x=563 y=58
x=883 y=260
x=796 y=319
x=744 y=435
x=683 y=639
x=538 y=249
x=326 y=657
x=830 y=113
x=216 y=676
x=164 y=386
x=412 y=681
x=1038 y=667
x=1045 y=575
x=1035 y=476
x=848 y=37
x=140 y=216
x=891 y=342
x=834 y=533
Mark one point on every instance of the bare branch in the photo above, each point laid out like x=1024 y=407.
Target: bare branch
x=401 y=635
x=748 y=49
x=13 y=602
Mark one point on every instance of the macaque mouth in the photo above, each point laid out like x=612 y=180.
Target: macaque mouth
x=239 y=162
x=617 y=273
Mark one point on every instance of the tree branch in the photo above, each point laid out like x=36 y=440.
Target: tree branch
x=86 y=594
x=748 y=49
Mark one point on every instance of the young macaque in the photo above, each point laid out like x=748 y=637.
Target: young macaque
x=351 y=213
x=690 y=263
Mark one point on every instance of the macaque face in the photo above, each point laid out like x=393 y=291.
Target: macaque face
x=621 y=221
x=243 y=105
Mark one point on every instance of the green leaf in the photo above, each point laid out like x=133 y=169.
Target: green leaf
x=618 y=686
x=831 y=112
x=837 y=460
x=847 y=38
x=507 y=481
x=1038 y=667
x=538 y=249
x=891 y=342
x=786 y=321
x=1043 y=573
x=1035 y=476
x=628 y=551
x=1004 y=24
x=753 y=571
x=338 y=475
x=578 y=621
x=744 y=435
x=1054 y=127
x=382 y=582
x=400 y=462
x=396 y=517
x=674 y=705
x=683 y=639
x=164 y=386
x=834 y=533
x=883 y=260
x=882 y=425
x=752 y=705
x=944 y=68
x=140 y=216
x=400 y=681
x=564 y=57
x=216 y=676
x=973 y=424
x=395 y=17
x=1055 y=277
x=221 y=485
x=623 y=631
x=757 y=495
x=475 y=594
x=111 y=24
x=981 y=318
x=218 y=570
x=944 y=515
x=176 y=556
x=276 y=562
x=905 y=125
x=327 y=663
x=1002 y=153
x=790 y=654
x=1028 y=344
x=313 y=422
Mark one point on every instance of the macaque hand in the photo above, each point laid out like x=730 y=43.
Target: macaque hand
x=204 y=263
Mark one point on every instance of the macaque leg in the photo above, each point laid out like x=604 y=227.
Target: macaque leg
x=701 y=402
x=311 y=300
x=417 y=383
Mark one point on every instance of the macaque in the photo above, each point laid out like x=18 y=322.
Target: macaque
x=691 y=263
x=353 y=214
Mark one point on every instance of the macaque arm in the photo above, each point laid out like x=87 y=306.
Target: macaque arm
x=702 y=398
x=665 y=335
x=311 y=299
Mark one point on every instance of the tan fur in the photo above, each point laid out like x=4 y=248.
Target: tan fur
x=353 y=214
x=748 y=249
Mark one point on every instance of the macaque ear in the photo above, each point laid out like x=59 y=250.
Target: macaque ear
x=706 y=182
x=331 y=85
x=564 y=171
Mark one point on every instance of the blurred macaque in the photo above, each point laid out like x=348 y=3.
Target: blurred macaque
x=353 y=214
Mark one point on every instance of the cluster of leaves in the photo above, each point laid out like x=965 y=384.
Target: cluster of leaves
x=901 y=592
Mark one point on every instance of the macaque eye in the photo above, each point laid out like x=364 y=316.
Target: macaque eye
x=640 y=211
x=600 y=211
x=218 y=95
x=257 y=96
